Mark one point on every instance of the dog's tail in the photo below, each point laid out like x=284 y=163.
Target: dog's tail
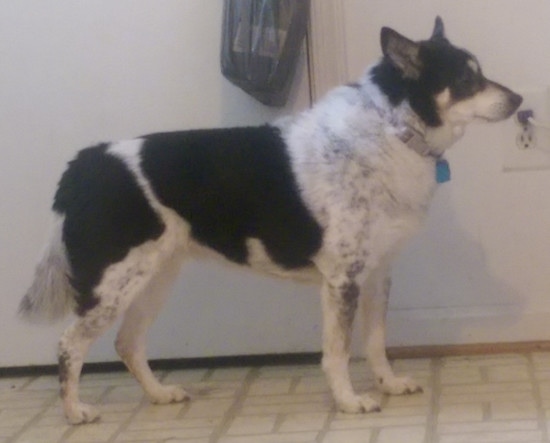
x=51 y=295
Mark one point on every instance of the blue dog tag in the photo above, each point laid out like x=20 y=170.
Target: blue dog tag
x=442 y=171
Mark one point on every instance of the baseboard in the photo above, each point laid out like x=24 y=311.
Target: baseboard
x=397 y=352
x=432 y=351
x=177 y=363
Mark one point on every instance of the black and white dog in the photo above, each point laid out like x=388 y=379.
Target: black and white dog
x=329 y=195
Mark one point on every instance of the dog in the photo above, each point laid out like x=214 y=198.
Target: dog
x=329 y=195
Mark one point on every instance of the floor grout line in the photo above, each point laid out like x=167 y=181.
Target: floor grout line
x=538 y=397
x=239 y=398
x=126 y=423
x=434 y=406
x=34 y=420
x=326 y=426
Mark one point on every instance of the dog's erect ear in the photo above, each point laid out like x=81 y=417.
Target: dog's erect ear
x=439 y=29
x=402 y=52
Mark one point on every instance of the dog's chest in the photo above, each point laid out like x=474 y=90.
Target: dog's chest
x=378 y=199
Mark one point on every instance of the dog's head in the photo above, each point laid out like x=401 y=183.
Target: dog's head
x=443 y=84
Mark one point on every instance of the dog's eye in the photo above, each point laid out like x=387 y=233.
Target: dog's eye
x=466 y=84
x=467 y=78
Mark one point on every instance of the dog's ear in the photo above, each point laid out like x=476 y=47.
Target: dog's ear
x=439 y=29
x=402 y=52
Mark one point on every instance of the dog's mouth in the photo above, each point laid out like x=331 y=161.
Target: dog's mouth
x=502 y=110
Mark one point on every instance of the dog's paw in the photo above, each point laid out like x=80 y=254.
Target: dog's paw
x=169 y=394
x=399 y=385
x=358 y=404
x=81 y=413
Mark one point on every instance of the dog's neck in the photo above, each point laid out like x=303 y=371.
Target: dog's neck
x=409 y=127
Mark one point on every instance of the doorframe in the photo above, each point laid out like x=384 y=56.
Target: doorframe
x=327 y=55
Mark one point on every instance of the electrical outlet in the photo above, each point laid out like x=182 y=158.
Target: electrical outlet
x=527 y=147
x=526 y=137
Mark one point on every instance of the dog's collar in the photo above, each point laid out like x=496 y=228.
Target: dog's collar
x=409 y=130
x=415 y=140
x=412 y=134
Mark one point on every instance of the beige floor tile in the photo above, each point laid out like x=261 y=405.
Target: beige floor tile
x=501 y=410
x=487 y=388
x=490 y=426
x=178 y=440
x=286 y=399
x=271 y=386
x=542 y=375
x=303 y=422
x=493 y=437
x=8 y=432
x=214 y=389
x=485 y=360
x=412 y=364
x=185 y=376
x=348 y=436
x=230 y=374
x=376 y=421
x=307 y=385
x=290 y=371
x=293 y=437
x=124 y=394
x=409 y=434
x=44 y=382
x=152 y=412
x=13 y=383
x=469 y=412
x=208 y=408
x=259 y=424
x=481 y=399
x=404 y=411
x=508 y=373
x=285 y=408
x=43 y=434
x=17 y=417
x=181 y=423
x=92 y=433
x=541 y=360
x=161 y=435
x=418 y=399
x=453 y=376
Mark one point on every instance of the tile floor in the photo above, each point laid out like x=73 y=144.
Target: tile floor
x=502 y=398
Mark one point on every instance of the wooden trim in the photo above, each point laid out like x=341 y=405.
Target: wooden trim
x=469 y=349
x=326 y=47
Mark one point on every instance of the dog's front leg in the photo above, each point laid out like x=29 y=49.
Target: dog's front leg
x=375 y=306
x=339 y=306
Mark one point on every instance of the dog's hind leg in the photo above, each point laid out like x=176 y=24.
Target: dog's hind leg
x=131 y=339
x=375 y=306
x=339 y=306
x=121 y=284
x=73 y=347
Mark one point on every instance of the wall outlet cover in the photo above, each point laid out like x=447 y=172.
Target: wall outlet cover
x=516 y=156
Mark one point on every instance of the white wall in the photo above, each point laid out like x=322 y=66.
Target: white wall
x=75 y=73
x=480 y=271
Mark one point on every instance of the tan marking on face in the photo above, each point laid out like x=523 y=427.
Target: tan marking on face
x=474 y=66
x=444 y=99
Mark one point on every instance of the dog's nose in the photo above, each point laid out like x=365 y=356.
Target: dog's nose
x=515 y=100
